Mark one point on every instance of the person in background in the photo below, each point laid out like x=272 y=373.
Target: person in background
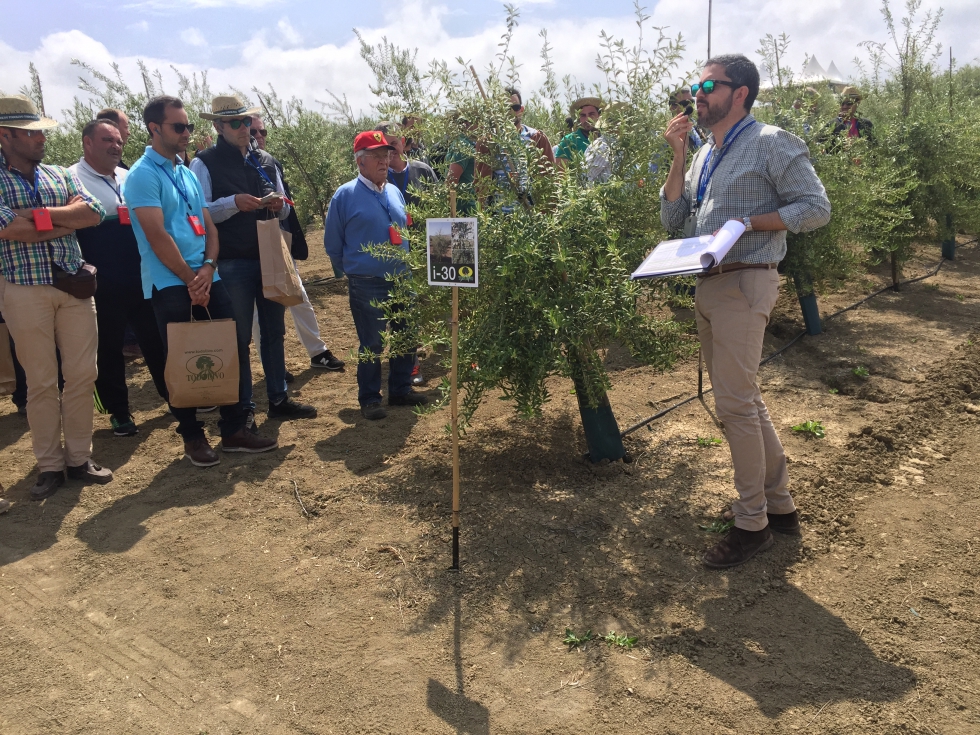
x=235 y=178
x=363 y=211
x=112 y=248
x=681 y=101
x=848 y=121
x=809 y=105
x=533 y=137
x=760 y=175
x=178 y=245
x=587 y=111
x=40 y=208
x=304 y=318
x=408 y=175
x=121 y=121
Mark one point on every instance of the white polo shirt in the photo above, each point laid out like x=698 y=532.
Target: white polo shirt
x=106 y=189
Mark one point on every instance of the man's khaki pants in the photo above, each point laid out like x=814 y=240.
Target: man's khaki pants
x=732 y=311
x=41 y=318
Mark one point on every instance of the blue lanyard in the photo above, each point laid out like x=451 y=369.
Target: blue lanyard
x=178 y=187
x=393 y=180
x=707 y=170
x=262 y=173
x=34 y=190
x=377 y=196
x=115 y=188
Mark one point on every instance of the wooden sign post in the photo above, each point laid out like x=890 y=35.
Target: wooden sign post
x=454 y=401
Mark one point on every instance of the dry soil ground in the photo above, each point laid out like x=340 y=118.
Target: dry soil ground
x=180 y=600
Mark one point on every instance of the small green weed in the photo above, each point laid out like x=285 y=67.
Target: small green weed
x=932 y=287
x=718 y=526
x=708 y=441
x=574 y=641
x=861 y=371
x=810 y=428
x=960 y=297
x=833 y=391
x=623 y=641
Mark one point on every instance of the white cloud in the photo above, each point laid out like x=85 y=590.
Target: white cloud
x=166 y=6
x=142 y=26
x=193 y=37
x=831 y=29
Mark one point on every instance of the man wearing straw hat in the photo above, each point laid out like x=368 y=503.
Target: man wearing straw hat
x=587 y=111
x=235 y=178
x=40 y=209
x=848 y=120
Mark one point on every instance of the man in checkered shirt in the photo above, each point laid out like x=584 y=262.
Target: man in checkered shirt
x=40 y=317
x=760 y=175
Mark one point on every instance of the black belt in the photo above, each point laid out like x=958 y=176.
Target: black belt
x=731 y=267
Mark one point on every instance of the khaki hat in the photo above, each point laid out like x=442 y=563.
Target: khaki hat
x=585 y=101
x=228 y=107
x=16 y=111
x=852 y=92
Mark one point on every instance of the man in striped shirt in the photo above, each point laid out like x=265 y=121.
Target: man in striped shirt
x=760 y=175
x=40 y=209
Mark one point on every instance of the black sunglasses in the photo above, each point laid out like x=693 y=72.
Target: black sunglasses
x=179 y=128
x=516 y=107
x=260 y=131
x=708 y=85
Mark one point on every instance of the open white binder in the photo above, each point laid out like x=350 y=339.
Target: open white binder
x=691 y=255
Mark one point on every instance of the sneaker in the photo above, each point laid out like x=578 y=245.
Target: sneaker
x=417 y=377
x=373 y=412
x=90 y=472
x=327 y=361
x=290 y=409
x=244 y=440
x=200 y=453
x=290 y=377
x=409 y=399
x=123 y=425
x=737 y=548
x=47 y=484
x=205 y=409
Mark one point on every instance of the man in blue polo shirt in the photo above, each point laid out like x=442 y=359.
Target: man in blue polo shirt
x=362 y=212
x=178 y=246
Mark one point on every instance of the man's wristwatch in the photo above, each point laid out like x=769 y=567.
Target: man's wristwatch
x=747 y=221
x=214 y=266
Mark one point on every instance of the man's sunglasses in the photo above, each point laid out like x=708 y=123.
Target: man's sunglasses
x=260 y=131
x=516 y=107
x=236 y=124
x=179 y=128
x=848 y=102
x=708 y=85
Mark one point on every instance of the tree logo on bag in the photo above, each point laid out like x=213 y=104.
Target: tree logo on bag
x=204 y=367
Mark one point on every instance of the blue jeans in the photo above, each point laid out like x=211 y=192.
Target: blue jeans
x=370 y=323
x=173 y=304
x=243 y=280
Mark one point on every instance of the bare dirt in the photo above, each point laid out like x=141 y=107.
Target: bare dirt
x=181 y=600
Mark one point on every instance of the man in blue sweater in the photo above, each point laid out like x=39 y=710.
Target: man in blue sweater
x=362 y=212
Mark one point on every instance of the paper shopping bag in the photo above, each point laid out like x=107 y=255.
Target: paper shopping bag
x=280 y=282
x=202 y=363
x=8 y=379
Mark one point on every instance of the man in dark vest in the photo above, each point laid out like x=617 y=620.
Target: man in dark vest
x=235 y=179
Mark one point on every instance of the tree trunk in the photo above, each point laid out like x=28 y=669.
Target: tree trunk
x=601 y=429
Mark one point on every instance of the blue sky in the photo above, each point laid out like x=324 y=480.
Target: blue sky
x=305 y=47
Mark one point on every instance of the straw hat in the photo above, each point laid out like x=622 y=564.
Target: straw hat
x=226 y=107
x=16 y=111
x=585 y=101
x=853 y=92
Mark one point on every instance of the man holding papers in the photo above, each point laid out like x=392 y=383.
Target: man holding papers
x=760 y=176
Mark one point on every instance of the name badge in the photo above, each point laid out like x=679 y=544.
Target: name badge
x=42 y=220
x=196 y=224
x=690 y=225
x=393 y=235
x=408 y=219
x=124 y=215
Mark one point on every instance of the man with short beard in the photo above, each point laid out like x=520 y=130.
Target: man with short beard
x=587 y=110
x=760 y=175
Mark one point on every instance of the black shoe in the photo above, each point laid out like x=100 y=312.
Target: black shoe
x=409 y=399
x=737 y=548
x=788 y=523
x=290 y=409
x=290 y=377
x=90 y=472
x=373 y=412
x=21 y=410
x=327 y=361
x=123 y=425
x=47 y=485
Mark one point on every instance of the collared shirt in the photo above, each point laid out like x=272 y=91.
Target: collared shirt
x=225 y=207
x=371 y=185
x=106 y=189
x=576 y=142
x=29 y=263
x=153 y=182
x=765 y=169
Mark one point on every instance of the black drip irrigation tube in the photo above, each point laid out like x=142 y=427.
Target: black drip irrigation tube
x=660 y=414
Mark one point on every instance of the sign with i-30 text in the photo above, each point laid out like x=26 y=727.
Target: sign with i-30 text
x=452 y=252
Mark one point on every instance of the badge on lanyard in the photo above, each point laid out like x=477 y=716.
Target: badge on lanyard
x=123 y=212
x=690 y=225
x=393 y=235
x=196 y=224
x=408 y=219
x=42 y=220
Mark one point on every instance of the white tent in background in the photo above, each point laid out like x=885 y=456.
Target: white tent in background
x=833 y=74
x=814 y=75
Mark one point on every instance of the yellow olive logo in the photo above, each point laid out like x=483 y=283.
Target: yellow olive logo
x=466 y=272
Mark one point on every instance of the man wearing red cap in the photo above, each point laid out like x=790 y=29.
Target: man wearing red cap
x=366 y=211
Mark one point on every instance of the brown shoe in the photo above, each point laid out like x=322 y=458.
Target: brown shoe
x=244 y=440
x=737 y=547
x=200 y=453
x=788 y=523
x=90 y=472
x=47 y=484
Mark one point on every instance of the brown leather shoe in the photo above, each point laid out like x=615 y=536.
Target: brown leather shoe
x=244 y=440
x=200 y=453
x=788 y=523
x=90 y=472
x=47 y=484
x=737 y=547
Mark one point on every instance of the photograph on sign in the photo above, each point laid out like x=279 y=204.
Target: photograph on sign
x=452 y=252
